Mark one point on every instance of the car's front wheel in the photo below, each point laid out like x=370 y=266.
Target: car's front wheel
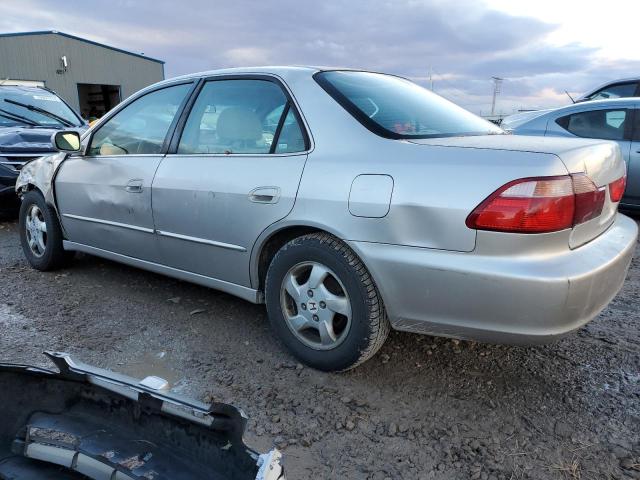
x=40 y=233
x=323 y=304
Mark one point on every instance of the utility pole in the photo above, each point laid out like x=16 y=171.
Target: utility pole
x=497 y=82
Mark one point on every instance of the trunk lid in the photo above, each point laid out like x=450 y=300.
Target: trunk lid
x=601 y=160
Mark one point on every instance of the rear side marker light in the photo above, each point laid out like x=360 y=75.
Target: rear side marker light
x=539 y=205
x=616 y=189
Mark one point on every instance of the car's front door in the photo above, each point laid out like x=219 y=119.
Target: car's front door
x=104 y=197
x=234 y=170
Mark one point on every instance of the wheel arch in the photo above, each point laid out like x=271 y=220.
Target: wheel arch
x=272 y=239
x=39 y=175
x=28 y=187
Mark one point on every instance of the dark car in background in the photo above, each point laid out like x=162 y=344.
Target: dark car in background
x=626 y=87
x=28 y=118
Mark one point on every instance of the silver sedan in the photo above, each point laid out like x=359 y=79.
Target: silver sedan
x=349 y=202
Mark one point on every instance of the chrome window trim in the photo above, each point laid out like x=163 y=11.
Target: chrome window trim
x=236 y=155
x=127 y=155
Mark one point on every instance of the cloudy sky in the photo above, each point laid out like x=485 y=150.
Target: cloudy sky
x=540 y=47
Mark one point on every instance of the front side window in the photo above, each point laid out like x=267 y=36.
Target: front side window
x=35 y=107
x=615 y=91
x=394 y=107
x=241 y=117
x=141 y=126
x=604 y=124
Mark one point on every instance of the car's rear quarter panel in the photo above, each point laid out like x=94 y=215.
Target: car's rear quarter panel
x=434 y=187
x=434 y=190
x=435 y=274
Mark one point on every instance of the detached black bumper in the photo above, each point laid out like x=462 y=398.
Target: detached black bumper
x=85 y=422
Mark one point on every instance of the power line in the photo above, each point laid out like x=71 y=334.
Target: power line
x=497 y=83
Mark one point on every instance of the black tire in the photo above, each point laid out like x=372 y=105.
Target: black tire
x=369 y=326
x=53 y=256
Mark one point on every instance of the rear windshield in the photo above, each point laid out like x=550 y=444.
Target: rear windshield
x=393 y=107
x=34 y=107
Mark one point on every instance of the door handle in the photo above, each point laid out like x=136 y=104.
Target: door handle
x=134 y=186
x=265 y=195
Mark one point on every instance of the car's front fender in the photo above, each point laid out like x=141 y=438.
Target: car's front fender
x=40 y=174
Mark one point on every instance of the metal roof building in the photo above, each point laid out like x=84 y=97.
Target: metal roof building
x=89 y=76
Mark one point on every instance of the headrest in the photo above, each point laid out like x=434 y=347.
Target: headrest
x=239 y=124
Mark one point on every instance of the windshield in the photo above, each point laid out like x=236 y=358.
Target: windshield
x=47 y=109
x=393 y=107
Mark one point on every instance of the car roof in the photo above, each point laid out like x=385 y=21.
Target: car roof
x=581 y=106
x=283 y=71
x=273 y=70
x=526 y=118
x=24 y=88
x=612 y=82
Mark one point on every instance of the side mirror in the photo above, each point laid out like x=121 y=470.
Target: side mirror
x=66 y=141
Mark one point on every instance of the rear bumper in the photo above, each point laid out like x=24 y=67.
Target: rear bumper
x=498 y=299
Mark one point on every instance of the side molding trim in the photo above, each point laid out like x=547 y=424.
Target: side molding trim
x=108 y=222
x=228 y=246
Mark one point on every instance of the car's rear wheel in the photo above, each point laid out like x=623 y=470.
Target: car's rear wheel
x=323 y=304
x=40 y=233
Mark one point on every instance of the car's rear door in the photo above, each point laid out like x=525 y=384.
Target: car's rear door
x=632 y=193
x=104 y=197
x=604 y=122
x=233 y=169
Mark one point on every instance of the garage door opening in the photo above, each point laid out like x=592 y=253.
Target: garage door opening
x=96 y=100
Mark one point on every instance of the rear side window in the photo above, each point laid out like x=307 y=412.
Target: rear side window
x=141 y=126
x=618 y=90
x=604 y=124
x=394 y=107
x=291 y=138
x=242 y=116
x=636 y=127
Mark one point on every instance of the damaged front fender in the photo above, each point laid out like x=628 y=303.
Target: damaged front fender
x=85 y=422
x=40 y=174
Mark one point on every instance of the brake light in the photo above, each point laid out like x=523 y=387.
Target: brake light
x=589 y=199
x=616 y=189
x=539 y=205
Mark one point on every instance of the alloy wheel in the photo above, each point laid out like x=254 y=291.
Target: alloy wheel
x=36 y=230
x=316 y=305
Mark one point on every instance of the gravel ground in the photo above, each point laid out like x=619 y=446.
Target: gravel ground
x=423 y=407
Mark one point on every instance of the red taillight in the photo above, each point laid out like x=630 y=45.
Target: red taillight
x=589 y=199
x=616 y=189
x=539 y=205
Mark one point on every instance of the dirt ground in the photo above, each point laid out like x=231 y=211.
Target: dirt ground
x=423 y=407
